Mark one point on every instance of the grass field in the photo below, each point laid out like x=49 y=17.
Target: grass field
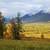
x=35 y=44
x=33 y=30
x=36 y=29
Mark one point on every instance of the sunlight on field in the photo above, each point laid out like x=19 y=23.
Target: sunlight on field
x=36 y=29
x=31 y=30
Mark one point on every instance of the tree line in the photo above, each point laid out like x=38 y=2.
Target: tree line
x=17 y=27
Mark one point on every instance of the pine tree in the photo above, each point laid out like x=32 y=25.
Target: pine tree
x=17 y=27
x=1 y=25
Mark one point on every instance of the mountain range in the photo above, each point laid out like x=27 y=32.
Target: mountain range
x=39 y=17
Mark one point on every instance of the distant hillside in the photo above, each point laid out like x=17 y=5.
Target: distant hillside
x=6 y=19
x=39 y=17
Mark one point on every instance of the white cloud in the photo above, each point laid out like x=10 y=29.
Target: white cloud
x=4 y=11
x=24 y=8
x=11 y=7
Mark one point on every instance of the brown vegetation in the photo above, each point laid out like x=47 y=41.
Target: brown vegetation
x=8 y=34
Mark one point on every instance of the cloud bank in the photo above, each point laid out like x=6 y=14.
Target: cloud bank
x=11 y=7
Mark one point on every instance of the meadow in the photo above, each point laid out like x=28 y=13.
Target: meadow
x=31 y=38
x=36 y=29
x=35 y=44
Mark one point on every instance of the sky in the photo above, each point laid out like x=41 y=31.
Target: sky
x=12 y=7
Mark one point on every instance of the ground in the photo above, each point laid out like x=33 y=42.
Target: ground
x=35 y=44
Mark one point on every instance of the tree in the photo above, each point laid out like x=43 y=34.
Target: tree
x=1 y=25
x=17 y=27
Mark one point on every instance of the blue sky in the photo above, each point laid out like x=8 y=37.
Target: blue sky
x=11 y=7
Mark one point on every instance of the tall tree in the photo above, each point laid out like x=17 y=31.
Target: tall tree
x=1 y=25
x=17 y=27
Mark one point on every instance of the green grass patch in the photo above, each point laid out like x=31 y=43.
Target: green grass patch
x=25 y=45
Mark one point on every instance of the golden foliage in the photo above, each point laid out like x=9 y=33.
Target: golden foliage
x=8 y=33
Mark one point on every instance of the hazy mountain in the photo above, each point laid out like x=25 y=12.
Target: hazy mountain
x=6 y=19
x=39 y=17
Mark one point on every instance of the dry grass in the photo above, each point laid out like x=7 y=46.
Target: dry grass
x=36 y=29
